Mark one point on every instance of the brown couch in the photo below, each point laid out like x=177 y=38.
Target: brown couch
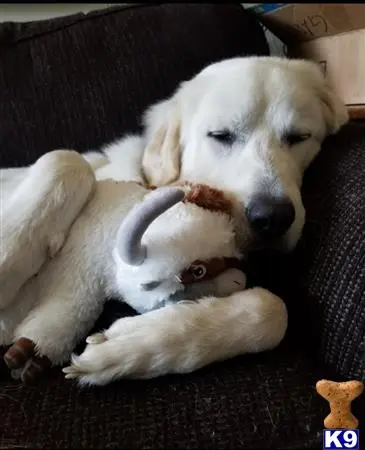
x=81 y=81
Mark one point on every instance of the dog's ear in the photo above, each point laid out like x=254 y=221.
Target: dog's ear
x=161 y=158
x=334 y=110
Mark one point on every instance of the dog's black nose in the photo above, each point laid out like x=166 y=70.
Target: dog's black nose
x=270 y=217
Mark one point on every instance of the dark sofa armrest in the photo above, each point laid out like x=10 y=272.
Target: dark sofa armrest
x=327 y=290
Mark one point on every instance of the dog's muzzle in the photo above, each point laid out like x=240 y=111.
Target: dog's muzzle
x=270 y=217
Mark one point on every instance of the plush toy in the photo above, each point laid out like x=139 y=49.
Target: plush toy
x=148 y=247
x=180 y=276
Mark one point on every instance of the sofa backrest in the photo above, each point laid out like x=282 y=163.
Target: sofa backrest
x=83 y=80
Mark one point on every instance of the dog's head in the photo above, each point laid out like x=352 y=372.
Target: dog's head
x=251 y=126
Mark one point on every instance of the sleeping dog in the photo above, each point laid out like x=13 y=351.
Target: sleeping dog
x=250 y=126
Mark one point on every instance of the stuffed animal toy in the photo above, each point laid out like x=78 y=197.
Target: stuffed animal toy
x=148 y=247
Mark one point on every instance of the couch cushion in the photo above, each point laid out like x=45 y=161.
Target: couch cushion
x=331 y=256
x=258 y=401
x=81 y=81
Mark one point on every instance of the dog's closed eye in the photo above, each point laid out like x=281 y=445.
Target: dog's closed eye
x=295 y=138
x=222 y=136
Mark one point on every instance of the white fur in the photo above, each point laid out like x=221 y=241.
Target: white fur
x=124 y=158
x=260 y=99
x=37 y=215
x=182 y=338
x=58 y=306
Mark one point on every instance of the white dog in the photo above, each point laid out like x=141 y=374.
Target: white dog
x=246 y=125
x=174 y=245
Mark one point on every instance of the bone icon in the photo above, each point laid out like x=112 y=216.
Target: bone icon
x=339 y=397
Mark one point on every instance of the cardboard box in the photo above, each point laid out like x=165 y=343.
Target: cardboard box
x=342 y=59
x=307 y=21
x=331 y=34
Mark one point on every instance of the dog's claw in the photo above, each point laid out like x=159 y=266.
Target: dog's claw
x=31 y=370
x=72 y=372
x=68 y=370
x=97 y=338
x=71 y=375
x=16 y=373
x=73 y=369
x=34 y=368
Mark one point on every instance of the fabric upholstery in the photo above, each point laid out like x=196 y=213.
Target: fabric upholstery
x=81 y=81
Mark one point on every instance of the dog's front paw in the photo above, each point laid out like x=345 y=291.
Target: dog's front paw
x=127 y=349
x=102 y=362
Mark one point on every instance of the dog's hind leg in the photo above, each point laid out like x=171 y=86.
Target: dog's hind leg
x=36 y=217
x=65 y=311
x=10 y=179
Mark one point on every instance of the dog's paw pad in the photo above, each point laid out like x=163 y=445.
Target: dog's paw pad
x=34 y=368
x=97 y=338
x=19 y=353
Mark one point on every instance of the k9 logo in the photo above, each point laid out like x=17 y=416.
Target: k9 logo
x=347 y=439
